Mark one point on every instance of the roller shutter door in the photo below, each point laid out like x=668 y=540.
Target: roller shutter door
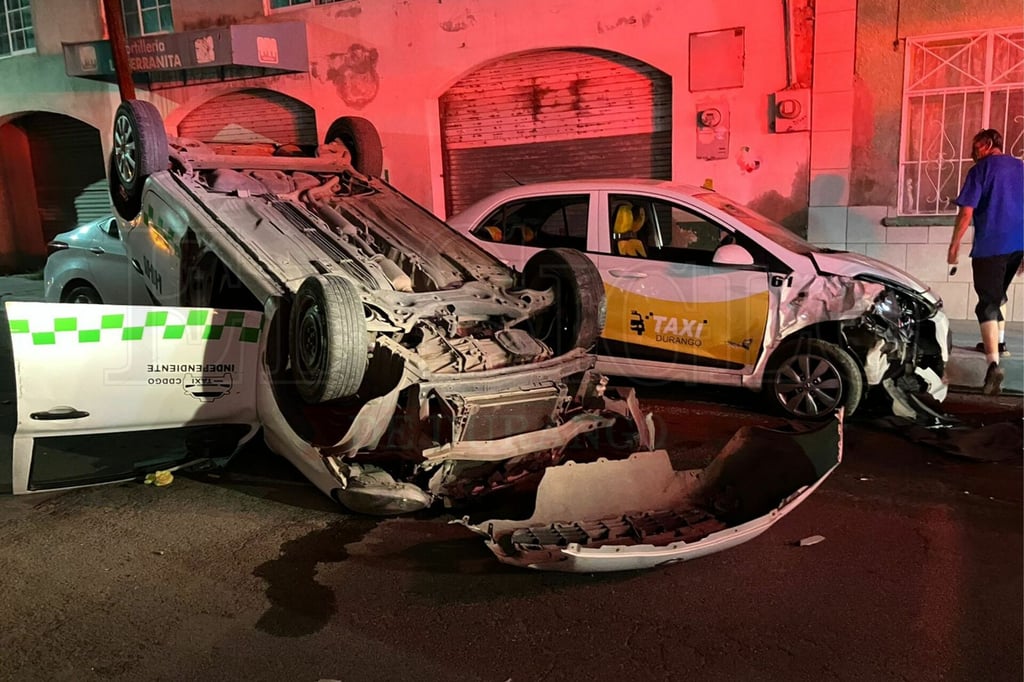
x=554 y=115
x=251 y=116
x=68 y=170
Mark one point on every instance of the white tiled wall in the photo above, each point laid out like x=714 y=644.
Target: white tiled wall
x=920 y=250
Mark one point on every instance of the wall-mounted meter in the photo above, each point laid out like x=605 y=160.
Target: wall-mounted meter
x=713 y=131
x=789 y=111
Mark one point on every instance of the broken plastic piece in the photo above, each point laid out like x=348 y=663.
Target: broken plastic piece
x=159 y=478
x=373 y=491
x=811 y=540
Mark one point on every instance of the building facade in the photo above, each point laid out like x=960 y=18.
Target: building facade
x=797 y=108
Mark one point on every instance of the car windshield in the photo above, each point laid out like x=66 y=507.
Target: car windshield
x=762 y=224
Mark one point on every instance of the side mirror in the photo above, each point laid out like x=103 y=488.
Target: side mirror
x=732 y=254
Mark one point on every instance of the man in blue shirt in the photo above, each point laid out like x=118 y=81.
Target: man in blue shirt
x=993 y=195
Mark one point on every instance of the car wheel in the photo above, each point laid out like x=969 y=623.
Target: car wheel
x=83 y=293
x=327 y=338
x=140 y=149
x=578 y=316
x=363 y=143
x=812 y=379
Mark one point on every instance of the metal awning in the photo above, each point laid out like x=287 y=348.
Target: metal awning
x=217 y=53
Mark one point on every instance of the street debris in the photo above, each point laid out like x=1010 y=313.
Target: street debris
x=987 y=443
x=640 y=512
x=159 y=478
x=811 y=540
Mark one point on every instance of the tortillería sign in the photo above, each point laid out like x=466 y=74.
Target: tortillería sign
x=152 y=55
x=277 y=46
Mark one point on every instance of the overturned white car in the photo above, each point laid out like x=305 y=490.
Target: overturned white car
x=389 y=358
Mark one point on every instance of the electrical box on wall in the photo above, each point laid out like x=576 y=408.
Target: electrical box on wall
x=789 y=111
x=713 y=131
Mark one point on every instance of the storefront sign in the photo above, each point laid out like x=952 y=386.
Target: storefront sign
x=277 y=46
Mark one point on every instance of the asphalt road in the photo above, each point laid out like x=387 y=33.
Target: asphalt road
x=252 y=574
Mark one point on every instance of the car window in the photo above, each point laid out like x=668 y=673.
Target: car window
x=542 y=222
x=652 y=228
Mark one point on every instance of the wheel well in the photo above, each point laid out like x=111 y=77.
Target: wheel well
x=78 y=282
x=833 y=332
x=824 y=331
x=223 y=289
x=363 y=143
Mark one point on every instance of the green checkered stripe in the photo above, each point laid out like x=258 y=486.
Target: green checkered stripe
x=157 y=323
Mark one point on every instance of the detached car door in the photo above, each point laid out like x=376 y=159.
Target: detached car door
x=668 y=301
x=100 y=393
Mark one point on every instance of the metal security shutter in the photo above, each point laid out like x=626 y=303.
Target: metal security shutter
x=68 y=170
x=554 y=115
x=94 y=201
x=251 y=116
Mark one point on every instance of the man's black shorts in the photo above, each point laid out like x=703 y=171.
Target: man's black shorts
x=992 y=277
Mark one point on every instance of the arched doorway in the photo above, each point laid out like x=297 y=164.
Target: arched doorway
x=554 y=115
x=251 y=116
x=53 y=178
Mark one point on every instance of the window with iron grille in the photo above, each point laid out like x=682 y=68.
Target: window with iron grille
x=146 y=17
x=16 y=33
x=954 y=86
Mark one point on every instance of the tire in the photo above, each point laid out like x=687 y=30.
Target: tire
x=811 y=379
x=363 y=142
x=81 y=293
x=327 y=339
x=578 y=316
x=140 y=149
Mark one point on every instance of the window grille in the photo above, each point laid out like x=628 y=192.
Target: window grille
x=147 y=17
x=284 y=4
x=955 y=86
x=16 y=33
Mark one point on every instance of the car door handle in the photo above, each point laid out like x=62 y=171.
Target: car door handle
x=97 y=250
x=138 y=268
x=62 y=412
x=627 y=273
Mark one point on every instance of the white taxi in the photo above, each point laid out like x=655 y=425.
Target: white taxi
x=702 y=289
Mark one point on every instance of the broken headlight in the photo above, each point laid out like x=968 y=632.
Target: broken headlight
x=888 y=308
x=900 y=305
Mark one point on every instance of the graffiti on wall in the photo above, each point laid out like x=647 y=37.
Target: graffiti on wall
x=644 y=20
x=353 y=73
x=459 y=22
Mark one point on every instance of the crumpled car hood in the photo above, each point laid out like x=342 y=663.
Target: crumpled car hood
x=849 y=264
x=640 y=512
x=819 y=299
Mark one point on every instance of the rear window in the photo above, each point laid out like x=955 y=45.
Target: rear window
x=542 y=222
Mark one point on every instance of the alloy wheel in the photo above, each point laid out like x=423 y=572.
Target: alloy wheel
x=125 y=151
x=809 y=385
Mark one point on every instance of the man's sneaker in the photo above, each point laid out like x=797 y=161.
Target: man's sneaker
x=1002 y=349
x=993 y=379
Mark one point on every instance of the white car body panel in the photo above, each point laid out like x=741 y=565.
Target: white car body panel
x=850 y=264
x=78 y=366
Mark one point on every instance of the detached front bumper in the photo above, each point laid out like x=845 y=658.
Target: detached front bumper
x=639 y=512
